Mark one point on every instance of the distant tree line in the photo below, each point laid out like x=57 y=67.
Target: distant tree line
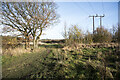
x=101 y=35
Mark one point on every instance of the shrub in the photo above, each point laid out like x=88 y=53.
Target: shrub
x=102 y=35
x=9 y=41
x=115 y=33
x=88 y=38
x=75 y=35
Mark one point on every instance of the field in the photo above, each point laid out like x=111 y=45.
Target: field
x=52 y=40
x=53 y=61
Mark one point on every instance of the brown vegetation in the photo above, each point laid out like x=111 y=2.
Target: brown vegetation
x=92 y=45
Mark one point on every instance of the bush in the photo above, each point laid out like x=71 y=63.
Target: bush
x=102 y=35
x=88 y=38
x=75 y=35
x=115 y=33
x=9 y=41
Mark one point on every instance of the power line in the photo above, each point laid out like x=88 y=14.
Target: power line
x=87 y=13
x=103 y=7
x=81 y=8
x=91 y=6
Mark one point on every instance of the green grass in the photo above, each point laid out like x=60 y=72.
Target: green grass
x=48 y=45
x=54 y=62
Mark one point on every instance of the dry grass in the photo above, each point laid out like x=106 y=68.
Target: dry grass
x=19 y=51
x=15 y=51
x=92 y=45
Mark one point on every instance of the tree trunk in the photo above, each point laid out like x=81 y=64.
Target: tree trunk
x=25 y=44
x=36 y=44
x=28 y=42
x=38 y=37
x=33 y=43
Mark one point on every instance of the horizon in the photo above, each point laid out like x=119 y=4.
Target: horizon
x=77 y=13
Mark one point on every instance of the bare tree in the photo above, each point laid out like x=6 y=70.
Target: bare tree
x=116 y=33
x=119 y=35
x=48 y=17
x=65 y=33
x=29 y=18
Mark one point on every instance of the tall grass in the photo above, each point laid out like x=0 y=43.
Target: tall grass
x=51 y=62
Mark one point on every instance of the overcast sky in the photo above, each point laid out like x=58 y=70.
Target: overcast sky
x=77 y=13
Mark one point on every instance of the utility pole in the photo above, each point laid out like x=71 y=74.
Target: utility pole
x=100 y=19
x=93 y=23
